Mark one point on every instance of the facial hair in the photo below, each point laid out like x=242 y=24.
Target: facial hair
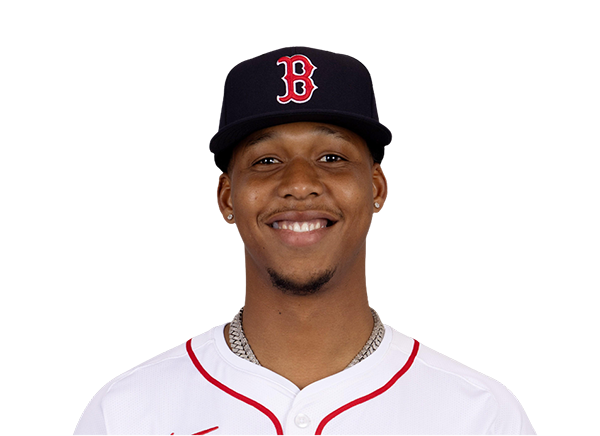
x=292 y=287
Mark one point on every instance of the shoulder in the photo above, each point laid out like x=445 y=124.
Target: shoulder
x=457 y=383
x=164 y=365
x=446 y=368
x=143 y=382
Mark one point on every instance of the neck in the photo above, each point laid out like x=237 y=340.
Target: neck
x=307 y=338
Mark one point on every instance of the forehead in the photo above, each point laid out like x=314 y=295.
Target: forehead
x=301 y=132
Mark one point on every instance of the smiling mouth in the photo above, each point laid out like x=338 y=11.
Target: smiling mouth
x=302 y=226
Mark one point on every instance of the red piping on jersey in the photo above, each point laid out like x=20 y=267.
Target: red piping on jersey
x=206 y=431
x=373 y=394
x=230 y=391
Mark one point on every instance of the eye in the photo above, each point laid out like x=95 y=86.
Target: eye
x=267 y=161
x=331 y=158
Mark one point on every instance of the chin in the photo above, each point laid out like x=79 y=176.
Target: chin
x=289 y=284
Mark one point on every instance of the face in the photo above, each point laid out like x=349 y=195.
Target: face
x=302 y=196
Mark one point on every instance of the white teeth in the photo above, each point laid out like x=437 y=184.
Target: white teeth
x=300 y=227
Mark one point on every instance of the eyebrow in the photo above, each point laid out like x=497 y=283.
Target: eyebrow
x=330 y=131
x=263 y=137
x=317 y=129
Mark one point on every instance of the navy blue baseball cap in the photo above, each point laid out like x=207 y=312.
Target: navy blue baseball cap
x=298 y=84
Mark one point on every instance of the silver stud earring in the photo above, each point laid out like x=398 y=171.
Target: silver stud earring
x=230 y=216
x=377 y=205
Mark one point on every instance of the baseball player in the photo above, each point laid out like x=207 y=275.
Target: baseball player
x=300 y=147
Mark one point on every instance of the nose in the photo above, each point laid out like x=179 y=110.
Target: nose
x=299 y=180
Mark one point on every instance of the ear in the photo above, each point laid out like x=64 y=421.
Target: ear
x=224 y=197
x=379 y=187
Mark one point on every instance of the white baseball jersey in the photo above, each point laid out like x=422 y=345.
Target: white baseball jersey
x=402 y=388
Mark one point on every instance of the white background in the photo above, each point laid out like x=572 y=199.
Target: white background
x=36 y=164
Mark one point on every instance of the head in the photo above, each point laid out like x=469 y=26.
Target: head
x=302 y=195
x=300 y=160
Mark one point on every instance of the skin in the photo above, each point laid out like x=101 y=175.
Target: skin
x=316 y=169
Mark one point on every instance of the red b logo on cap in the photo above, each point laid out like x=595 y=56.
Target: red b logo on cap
x=290 y=79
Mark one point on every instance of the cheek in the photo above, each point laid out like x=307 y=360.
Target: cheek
x=355 y=198
x=355 y=192
x=247 y=202
x=245 y=199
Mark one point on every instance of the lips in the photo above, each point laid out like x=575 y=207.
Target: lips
x=301 y=221
x=301 y=228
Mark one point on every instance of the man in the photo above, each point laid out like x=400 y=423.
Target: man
x=300 y=147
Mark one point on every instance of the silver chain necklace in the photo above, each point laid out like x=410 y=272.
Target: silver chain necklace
x=241 y=347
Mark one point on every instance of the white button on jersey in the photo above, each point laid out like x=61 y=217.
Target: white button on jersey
x=301 y=420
